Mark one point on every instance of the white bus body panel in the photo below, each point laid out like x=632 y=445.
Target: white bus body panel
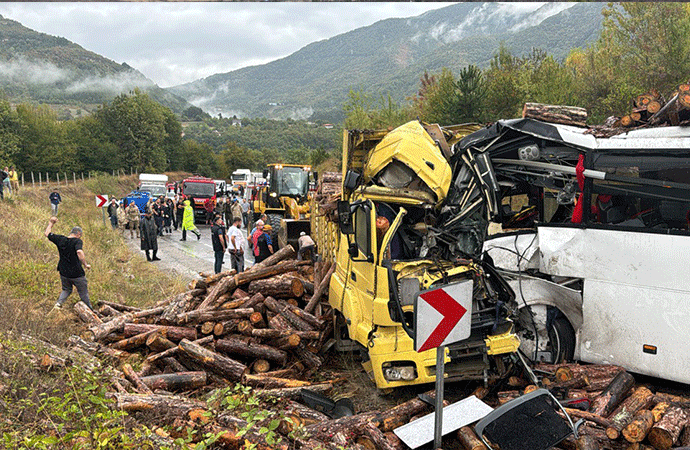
x=636 y=292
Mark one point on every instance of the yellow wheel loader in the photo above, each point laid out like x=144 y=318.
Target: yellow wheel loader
x=285 y=201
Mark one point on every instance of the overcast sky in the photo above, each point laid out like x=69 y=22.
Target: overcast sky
x=175 y=43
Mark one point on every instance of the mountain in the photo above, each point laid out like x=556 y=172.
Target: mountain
x=37 y=67
x=389 y=56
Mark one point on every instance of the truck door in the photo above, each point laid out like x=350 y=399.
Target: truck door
x=361 y=278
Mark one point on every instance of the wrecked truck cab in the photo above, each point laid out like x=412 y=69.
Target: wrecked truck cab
x=389 y=251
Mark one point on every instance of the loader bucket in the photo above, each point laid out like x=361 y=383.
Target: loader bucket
x=290 y=230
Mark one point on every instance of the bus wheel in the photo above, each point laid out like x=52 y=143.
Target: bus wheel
x=545 y=334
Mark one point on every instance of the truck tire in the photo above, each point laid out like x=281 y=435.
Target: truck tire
x=555 y=341
x=274 y=221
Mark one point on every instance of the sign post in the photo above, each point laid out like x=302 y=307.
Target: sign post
x=101 y=200
x=442 y=316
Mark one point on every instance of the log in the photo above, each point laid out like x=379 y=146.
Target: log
x=312 y=361
x=399 y=415
x=239 y=294
x=287 y=252
x=172 y=351
x=659 y=410
x=237 y=347
x=665 y=433
x=257 y=320
x=268 y=382
x=684 y=439
x=96 y=349
x=86 y=314
x=281 y=308
x=320 y=290
x=377 y=438
x=270 y=333
x=254 y=300
x=663 y=114
x=566 y=115
x=180 y=304
x=117 y=324
x=172 y=333
x=641 y=398
x=184 y=381
x=257 y=272
x=615 y=392
x=200 y=315
x=245 y=327
x=219 y=364
x=226 y=327
x=278 y=287
x=312 y=320
x=231 y=304
x=108 y=311
x=170 y=406
x=587 y=443
x=120 y=307
x=156 y=342
x=293 y=392
x=469 y=440
x=346 y=425
x=261 y=366
x=172 y=365
x=209 y=280
x=595 y=418
x=570 y=371
x=288 y=342
x=132 y=376
x=637 y=430
x=138 y=340
x=207 y=327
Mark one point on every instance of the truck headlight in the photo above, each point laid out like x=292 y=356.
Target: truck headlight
x=274 y=194
x=400 y=373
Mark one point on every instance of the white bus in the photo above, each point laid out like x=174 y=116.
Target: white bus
x=605 y=281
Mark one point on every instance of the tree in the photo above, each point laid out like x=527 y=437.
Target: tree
x=470 y=95
x=504 y=93
x=195 y=113
x=9 y=134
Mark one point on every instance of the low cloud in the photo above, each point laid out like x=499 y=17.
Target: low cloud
x=113 y=84
x=22 y=70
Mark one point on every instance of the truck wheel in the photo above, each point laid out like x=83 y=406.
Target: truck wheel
x=555 y=343
x=274 y=221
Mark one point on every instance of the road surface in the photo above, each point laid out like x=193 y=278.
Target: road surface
x=187 y=258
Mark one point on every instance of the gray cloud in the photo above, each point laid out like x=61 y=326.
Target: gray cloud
x=174 y=43
x=33 y=72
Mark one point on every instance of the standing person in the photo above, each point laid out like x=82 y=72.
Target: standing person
x=236 y=245
x=179 y=211
x=3 y=175
x=6 y=181
x=14 y=180
x=121 y=219
x=55 y=200
x=112 y=212
x=264 y=246
x=219 y=209
x=188 y=222
x=209 y=204
x=149 y=236
x=157 y=209
x=306 y=245
x=245 y=212
x=133 y=215
x=236 y=209
x=250 y=234
x=219 y=239
x=72 y=263
x=227 y=210
x=168 y=214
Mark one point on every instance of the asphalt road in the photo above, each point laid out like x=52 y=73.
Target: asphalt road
x=187 y=258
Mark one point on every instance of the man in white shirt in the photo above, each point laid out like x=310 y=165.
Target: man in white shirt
x=237 y=245
x=307 y=247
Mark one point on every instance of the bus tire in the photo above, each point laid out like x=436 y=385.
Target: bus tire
x=556 y=344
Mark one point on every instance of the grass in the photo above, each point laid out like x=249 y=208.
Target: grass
x=64 y=409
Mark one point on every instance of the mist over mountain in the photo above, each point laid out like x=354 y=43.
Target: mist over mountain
x=41 y=68
x=388 y=57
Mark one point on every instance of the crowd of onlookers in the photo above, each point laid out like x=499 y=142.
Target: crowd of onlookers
x=9 y=182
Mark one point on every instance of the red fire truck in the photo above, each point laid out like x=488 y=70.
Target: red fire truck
x=202 y=192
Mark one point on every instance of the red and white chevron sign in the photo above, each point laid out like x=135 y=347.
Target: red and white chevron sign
x=443 y=315
x=101 y=200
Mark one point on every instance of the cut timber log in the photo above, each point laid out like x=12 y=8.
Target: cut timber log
x=469 y=439
x=570 y=371
x=232 y=346
x=86 y=314
x=213 y=315
x=637 y=430
x=181 y=381
x=118 y=323
x=587 y=443
x=283 y=310
x=293 y=393
x=665 y=433
x=615 y=392
x=172 y=351
x=566 y=115
x=659 y=410
x=320 y=290
x=156 y=342
x=287 y=252
x=345 y=425
x=270 y=333
x=278 y=287
x=172 y=333
x=257 y=272
x=164 y=405
x=261 y=366
x=219 y=364
x=595 y=418
x=377 y=438
x=267 y=382
x=641 y=398
x=120 y=307
x=132 y=376
x=135 y=341
x=399 y=415
x=180 y=304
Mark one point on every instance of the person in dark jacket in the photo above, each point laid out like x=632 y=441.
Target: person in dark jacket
x=263 y=242
x=167 y=211
x=157 y=208
x=149 y=236
x=112 y=212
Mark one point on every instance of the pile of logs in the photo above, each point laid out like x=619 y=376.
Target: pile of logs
x=621 y=415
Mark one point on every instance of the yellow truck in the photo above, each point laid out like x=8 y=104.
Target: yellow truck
x=399 y=231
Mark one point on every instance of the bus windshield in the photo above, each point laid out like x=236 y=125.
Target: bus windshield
x=196 y=189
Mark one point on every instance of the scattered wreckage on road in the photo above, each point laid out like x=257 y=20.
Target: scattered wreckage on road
x=590 y=261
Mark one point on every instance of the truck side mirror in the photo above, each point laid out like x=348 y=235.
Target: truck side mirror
x=351 y=180
x=265 y=173
x=345 y=217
